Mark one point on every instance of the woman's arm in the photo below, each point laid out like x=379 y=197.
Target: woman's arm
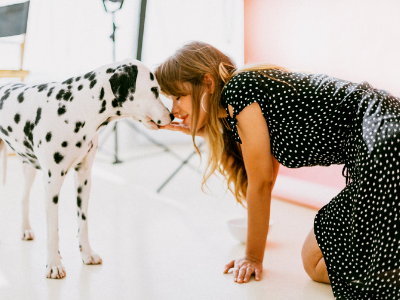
x=261 y=168
x=275 y=166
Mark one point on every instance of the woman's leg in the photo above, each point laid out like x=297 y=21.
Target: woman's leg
x=313 y=260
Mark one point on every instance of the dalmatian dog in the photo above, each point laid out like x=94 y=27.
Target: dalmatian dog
x=54 y=127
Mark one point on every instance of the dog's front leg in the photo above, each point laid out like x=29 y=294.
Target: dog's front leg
x=29 y=174
x=83 y=184
x=52 y=183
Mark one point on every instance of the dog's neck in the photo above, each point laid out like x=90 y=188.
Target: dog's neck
x=109 y=112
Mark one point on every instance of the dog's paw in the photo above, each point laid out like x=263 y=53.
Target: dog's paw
x=55 y=272
x=28 y=235
x=91 y=258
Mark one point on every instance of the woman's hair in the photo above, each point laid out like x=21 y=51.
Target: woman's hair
x=183 y=74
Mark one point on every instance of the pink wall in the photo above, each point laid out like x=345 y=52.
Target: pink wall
x=355 y=40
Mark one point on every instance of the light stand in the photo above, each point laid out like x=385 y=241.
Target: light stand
x=112 y=6
x=117 y=5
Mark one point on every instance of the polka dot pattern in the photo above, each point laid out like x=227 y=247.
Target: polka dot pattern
x=320 y=120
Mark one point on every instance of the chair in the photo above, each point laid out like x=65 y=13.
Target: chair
x=13 y=22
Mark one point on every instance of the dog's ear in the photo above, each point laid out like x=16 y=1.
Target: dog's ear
x=123 y=82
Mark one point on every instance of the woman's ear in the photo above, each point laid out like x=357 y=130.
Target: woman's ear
x=209 y=82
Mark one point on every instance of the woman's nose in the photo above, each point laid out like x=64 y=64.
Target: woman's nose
x=175 y=109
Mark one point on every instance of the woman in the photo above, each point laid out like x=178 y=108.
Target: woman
x=257 y=118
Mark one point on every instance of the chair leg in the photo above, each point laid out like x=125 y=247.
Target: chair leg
x=22 y=54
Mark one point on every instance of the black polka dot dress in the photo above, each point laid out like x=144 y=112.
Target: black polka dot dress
x=320 y=120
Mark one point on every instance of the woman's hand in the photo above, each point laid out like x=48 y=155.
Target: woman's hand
x=177 y=126
x=244 y=268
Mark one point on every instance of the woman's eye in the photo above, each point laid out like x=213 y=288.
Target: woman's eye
x=177 y=98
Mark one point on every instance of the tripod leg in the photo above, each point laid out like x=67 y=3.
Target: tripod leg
x=116 y=161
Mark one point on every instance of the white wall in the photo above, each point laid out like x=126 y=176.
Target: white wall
x=66 y=38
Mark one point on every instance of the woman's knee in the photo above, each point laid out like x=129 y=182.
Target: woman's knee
x=313 y=260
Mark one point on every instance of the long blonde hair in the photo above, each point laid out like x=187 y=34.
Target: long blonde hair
x=190 y=64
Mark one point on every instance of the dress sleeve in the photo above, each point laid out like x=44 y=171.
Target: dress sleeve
x=241 y=91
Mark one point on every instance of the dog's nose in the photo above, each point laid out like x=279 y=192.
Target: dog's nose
x=172 y=117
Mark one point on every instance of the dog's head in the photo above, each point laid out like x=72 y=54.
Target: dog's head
x=136 y=94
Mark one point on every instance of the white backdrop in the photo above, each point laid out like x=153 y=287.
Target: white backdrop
x=69 y=37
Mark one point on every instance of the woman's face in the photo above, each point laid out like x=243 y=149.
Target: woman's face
x=182 y=109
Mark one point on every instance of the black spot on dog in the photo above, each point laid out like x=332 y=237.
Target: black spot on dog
x=28 y=128
x=55 y=199
x=83 y=216
x=84 y=137
x=49 y=173
x=50 y=92
x=61 y=110
x=20 y=97
x=64 y=144
x=78 y=126
x=104 y=123
x=9 y=129
x=68 y=81
x=151 y=76
x=103 y=106
x=86 y=182
x=31 y=155
x=78 y=144
x=48 y=136
x=115 y=103
x=92 y=77
x=80 y=87
x=122 y=82
x=92 y=83
x=42 y=87
x=3 y=131
x=38 y=115
x=78 y=78
x=101 y=94
x=155 y=91
x=62 y=173
x=58 y=157
x=87 y=75
x=131 y=98
x=78 y=201
x=60 y=94
x=27 y=145
x=67 y=95
x=110 y=70
x=17 y=118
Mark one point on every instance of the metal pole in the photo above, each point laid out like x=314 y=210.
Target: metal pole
x=141 y=29
x=116 y=159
